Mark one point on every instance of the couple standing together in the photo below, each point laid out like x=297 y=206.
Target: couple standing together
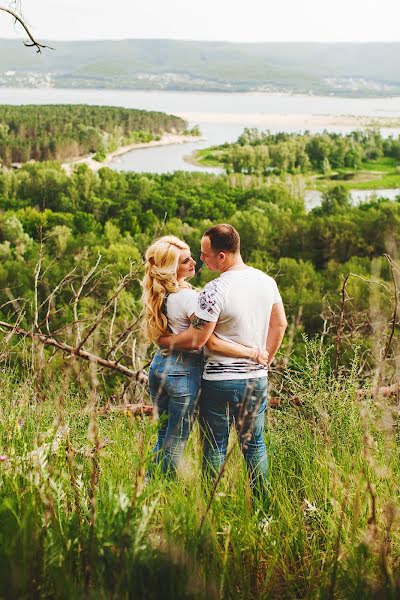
x=239 y=320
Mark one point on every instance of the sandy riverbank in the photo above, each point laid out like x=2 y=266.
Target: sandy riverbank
x=293 y=121
x=94 y=165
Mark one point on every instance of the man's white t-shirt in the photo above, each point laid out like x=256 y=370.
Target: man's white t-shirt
x=180 y=306
x=240 y=302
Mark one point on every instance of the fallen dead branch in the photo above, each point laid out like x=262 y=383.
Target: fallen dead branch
x=139 y=375
x=137 y=410
x=389 y=390
x=385 y=391
x=140 y=409
x=277 y=402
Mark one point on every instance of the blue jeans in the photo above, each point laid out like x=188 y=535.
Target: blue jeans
x=244 y=402
x=174 y=385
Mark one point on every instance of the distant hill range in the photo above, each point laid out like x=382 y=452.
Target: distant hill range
x=370 y=69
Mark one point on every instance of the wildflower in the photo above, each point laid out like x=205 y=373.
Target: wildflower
x=308 y=507
x=3 y=457
x=264 y=524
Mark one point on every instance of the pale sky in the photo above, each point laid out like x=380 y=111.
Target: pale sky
x=232 y=20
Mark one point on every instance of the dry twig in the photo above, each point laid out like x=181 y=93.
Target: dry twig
x=33 y=42
x=49 y=341
x=124 y=283
x=394 y=316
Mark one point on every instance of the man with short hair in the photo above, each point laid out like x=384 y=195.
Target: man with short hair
x=242 y=305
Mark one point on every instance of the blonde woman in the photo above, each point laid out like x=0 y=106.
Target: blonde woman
x=169 y=302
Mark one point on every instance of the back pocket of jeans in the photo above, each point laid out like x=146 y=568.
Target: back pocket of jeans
x=177 y=384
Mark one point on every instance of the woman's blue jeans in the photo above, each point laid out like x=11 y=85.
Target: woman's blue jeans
x=239 y=401
x=174 y=385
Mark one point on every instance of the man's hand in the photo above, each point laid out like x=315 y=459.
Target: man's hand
x=263 y=358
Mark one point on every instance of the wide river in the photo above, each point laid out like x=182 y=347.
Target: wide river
x=221 y=117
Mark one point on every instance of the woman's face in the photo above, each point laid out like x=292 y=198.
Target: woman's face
x=186 y=265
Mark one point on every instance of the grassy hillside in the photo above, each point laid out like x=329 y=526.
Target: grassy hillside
x=343 y=69
x=78 y=521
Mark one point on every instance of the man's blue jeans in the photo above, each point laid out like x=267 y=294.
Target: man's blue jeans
x=174 y=385
x=244 y=402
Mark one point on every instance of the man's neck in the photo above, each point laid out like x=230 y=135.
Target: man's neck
x=235 y=264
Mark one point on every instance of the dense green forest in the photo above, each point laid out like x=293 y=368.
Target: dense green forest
x=60 y=132
x=345 y=69
x=360 y=156
x=118 y=214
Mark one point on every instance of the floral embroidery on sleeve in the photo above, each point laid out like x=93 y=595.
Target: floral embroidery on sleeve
x=207 y=298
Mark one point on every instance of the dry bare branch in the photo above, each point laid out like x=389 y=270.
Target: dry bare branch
x=394 y=316
x=339 y=332
x=345 y=298
x=50 y=298
x=385 y=391
x=138 y=409
x=389 y=390
x=33 y=42
x=110 y=333
x=11 y=333
x=123 y=337
x=78 y=294
x=38 y=268
x=68 y=326
x=126 y=280
x=102 y=362
x=13 y=300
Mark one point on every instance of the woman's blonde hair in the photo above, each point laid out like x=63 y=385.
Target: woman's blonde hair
x=160 y=271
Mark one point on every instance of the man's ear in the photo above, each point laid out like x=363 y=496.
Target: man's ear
x=222 y=256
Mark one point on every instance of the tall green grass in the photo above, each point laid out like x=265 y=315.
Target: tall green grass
x=77 y=519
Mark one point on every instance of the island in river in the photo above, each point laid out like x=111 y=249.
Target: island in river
x=362 y=159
